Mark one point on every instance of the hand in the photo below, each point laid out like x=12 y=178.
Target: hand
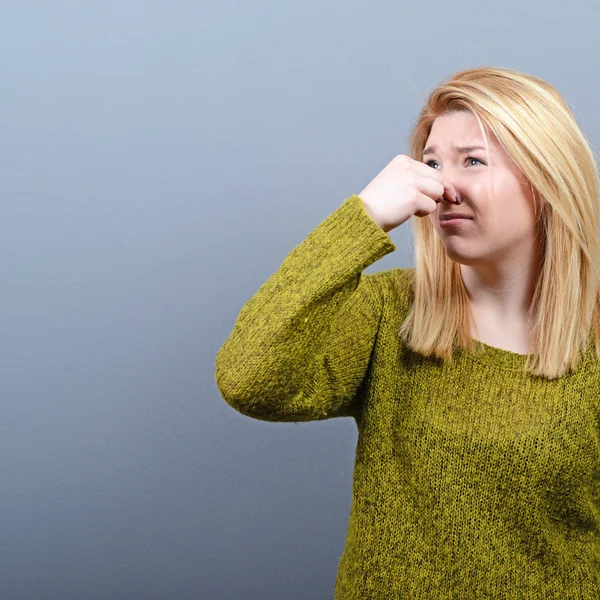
x=405 y=187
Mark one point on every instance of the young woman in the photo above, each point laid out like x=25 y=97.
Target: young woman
x=473 y=377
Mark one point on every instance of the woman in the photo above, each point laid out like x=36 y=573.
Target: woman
x=474 y=377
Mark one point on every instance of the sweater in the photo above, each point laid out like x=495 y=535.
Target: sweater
x=472 y=478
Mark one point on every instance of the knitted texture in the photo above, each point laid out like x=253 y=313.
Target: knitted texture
x=471 y=479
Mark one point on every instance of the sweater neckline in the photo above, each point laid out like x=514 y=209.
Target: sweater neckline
x=498 y=356
x=492 y=355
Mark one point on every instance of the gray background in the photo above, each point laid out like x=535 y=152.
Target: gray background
x=158 y=162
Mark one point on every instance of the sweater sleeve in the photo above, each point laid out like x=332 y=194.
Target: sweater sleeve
x=300 y=347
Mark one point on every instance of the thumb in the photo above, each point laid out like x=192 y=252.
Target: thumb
x=450 y=191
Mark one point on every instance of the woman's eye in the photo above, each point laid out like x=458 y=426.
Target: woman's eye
x=467 y=159
x=473 y=158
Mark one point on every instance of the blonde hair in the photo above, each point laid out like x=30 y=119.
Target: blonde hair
x=535 y=126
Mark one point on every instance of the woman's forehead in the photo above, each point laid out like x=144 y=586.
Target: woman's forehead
x=457 y=137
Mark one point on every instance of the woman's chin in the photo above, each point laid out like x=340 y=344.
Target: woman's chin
x=459 y=252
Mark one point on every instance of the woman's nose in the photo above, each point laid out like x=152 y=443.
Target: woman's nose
x=451 y=194
x=455 y=183
x=452 y=199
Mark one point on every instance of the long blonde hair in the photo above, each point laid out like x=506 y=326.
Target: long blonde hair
x=535 y=126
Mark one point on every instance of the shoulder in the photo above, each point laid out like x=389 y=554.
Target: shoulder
x=397 y=283
x=393 y=287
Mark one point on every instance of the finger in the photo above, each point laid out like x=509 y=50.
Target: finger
x=427 y=171
x=449 y=191
x=431 y=187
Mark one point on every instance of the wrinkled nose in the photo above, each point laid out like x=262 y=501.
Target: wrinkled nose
x=451 y=197
x=453 y=188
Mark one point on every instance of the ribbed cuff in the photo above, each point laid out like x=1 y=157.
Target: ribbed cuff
x=350 y=237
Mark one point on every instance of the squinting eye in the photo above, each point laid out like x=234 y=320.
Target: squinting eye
x=467 y=159
x=473 y=158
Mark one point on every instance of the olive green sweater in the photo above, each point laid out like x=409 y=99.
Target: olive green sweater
x=472 y=479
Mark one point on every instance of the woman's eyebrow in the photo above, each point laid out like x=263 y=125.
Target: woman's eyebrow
x=461 y=149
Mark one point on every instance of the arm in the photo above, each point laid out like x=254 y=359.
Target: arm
x=301 y=346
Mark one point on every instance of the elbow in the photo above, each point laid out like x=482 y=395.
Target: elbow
x=235 y=391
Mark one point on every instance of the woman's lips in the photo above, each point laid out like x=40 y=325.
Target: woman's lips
x=454 y=222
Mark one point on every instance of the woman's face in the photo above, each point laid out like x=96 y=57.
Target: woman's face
x=505 y=232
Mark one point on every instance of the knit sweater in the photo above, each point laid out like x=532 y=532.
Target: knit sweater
x=472 y=479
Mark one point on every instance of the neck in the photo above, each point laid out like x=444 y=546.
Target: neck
x=503 y=290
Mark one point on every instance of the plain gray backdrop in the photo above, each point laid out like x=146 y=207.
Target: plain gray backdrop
x=158 y=162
